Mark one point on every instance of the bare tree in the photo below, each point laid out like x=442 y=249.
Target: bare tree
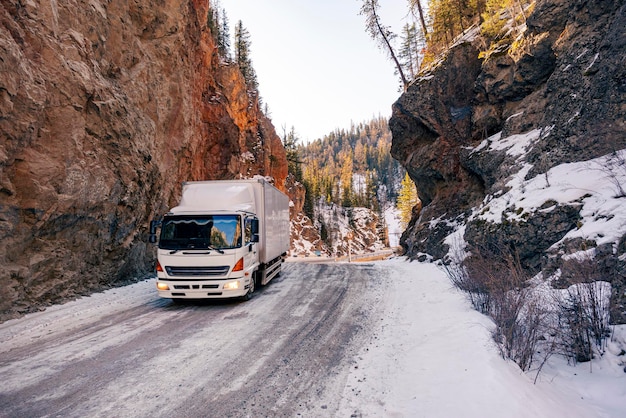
x=416 y=4
x=381 y=34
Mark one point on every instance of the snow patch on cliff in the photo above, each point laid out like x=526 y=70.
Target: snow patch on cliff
x=596 y=185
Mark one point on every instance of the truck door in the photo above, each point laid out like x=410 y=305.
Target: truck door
x=251 y=255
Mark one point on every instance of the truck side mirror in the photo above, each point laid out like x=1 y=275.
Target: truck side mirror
x=255 y=227
x=153 y=231
x=153 y=227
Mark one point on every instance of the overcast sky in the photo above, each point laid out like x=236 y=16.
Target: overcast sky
x=317 y=68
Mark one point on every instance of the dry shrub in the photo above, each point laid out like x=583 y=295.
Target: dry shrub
x=496 y=285
x=573 y=321
x=614 y=166
x=476 y=291
x=583 y=309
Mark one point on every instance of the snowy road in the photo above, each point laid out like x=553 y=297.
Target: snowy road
x=129 y=353
x=323 y=340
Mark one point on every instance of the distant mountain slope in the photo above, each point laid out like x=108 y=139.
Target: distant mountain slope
x=350 y=179
x=353 y=167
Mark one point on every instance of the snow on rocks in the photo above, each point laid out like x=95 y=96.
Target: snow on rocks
x=595 y=185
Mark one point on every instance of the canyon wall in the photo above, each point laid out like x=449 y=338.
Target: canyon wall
x=561 y=79
x=106 y=107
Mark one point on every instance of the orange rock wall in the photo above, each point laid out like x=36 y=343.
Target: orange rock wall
x=106 y=107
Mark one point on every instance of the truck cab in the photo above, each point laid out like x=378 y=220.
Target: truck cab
x=207 y=255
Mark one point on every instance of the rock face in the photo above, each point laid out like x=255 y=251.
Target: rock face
x=564 y=78
x=106 y=107
x=353 y=230
x=304 y=237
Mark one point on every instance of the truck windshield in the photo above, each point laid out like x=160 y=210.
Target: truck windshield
x=200 y=232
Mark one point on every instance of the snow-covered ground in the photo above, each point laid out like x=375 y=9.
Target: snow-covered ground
x=426 y=352
x=434 y=357
x=394 y=229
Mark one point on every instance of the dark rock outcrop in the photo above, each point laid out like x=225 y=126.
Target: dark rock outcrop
x=105 y=109
x=564 y=78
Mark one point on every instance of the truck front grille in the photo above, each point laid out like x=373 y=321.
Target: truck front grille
x=197 y=271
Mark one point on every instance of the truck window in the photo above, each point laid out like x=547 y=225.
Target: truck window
x=198 y=232
x=248 y=231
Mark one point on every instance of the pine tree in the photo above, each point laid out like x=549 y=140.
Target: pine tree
x=410 y=51
x=371 y=191
x=242 y=57
x=212 y=20
x=347 y=190
x=290 y=143
x=309 y=201
x=223 y=41
x=359 y=156
x=382 y=34
x=217 y=22
x=407 y=199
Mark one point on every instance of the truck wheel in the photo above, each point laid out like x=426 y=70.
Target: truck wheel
x=248 y=295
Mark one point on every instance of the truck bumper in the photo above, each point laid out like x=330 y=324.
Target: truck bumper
x=199 y=289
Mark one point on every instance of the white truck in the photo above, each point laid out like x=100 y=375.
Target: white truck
x=225 y=238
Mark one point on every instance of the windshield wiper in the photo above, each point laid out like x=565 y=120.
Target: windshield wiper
x=193 y=247
x=210 y=247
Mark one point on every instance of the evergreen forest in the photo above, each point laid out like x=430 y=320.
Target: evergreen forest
x=349 y=168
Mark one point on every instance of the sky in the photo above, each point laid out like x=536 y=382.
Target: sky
x=317 y=68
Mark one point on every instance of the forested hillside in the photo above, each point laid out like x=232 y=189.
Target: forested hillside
x=352 y=168
x=351 y=180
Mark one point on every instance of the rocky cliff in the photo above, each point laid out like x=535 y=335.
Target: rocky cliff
x=555 y=93
x=105 y=108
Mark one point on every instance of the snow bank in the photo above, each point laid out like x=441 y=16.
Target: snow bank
x=433 y=356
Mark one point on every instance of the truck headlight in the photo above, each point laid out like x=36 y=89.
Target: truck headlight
x=162 y=286
x=231 y=285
